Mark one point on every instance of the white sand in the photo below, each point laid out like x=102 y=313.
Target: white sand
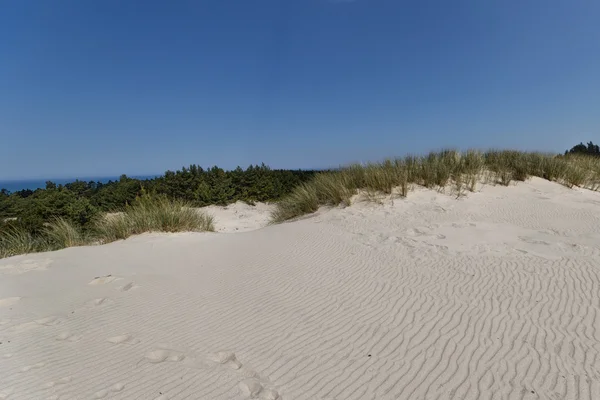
x=240 y=217
x=493 y=296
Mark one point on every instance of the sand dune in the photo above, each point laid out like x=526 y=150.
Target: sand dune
x=492 y=296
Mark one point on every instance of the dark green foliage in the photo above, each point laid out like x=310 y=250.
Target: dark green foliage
x=69 y=210
x=591 y=149
x=113 y=196
x=215 y=186
x=34 y=211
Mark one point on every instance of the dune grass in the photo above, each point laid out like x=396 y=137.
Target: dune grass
x=15 y=241
x=153 y=214
x=146 y=214
x=302 y=200
x=60 y=233
x=436 y=170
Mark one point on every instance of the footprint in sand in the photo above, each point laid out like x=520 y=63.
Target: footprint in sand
x=68 y=336
x=160 y=355
x=117 y=387
x=253 y=386
x=123 y=339
x=5 y=394
x=226 y=358
x=99 y=302
x=533 y=241
x=48 y=321
x=24 y=327
x=61 y=381
x=127 y=287
x=102 y=280
x=253 y=389
x=24 y=266
x=34 y=366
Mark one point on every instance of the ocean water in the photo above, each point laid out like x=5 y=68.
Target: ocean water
x=32 y=184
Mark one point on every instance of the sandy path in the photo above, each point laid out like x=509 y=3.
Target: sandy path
x=495 y=296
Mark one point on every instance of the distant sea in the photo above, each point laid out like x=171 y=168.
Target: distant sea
x=32 y=184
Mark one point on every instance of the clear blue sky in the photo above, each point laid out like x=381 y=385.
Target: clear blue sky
x=93 y=88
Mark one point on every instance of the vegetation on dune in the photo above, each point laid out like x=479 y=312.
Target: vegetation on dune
x=149 y=213
x=449 y=168
x=76 y=213
x=81 y=202
x=14 y=241
x=590 y=149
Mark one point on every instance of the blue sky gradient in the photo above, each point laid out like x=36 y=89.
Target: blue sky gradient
x=96 y=88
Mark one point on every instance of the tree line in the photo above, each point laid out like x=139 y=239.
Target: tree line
x=81 y=202
x=590 y=149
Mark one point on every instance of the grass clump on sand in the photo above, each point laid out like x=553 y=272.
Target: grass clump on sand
x=148 y=213
x=60 y=233
x=302 y=200
x=461 y=171
x=15 y=241
x=151 y=213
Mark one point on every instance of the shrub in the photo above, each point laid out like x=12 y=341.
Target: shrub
x=47 y=205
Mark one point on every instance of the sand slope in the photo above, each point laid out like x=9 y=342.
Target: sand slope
x=495 y=296
x=240 y=217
